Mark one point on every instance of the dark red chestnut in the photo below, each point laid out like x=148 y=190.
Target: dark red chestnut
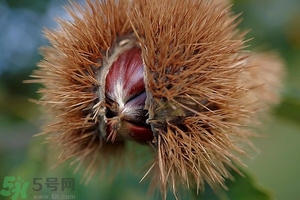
x=125 y=98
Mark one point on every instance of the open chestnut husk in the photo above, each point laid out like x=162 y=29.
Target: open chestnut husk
x=173 y=75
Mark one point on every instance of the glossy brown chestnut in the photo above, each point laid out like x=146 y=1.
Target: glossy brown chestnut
x=125 y=98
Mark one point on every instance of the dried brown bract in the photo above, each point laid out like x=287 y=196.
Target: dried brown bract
x=171 y=74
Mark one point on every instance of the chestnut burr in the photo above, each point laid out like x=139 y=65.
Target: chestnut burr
x=173 y=75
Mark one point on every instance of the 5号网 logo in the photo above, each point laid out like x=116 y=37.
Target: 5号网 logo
x=14 y=187
x=17 y=188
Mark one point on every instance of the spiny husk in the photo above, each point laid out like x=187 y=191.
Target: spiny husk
x=197 y=76
x=265 y=76
x=68 y=72
x=195 y=65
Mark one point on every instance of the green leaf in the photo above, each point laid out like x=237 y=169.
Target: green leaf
x=244 y=188
x=290 y=106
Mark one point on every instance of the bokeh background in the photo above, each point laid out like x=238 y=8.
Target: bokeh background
x=274 y=25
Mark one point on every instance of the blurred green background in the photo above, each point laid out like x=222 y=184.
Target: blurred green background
x=274 y=24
